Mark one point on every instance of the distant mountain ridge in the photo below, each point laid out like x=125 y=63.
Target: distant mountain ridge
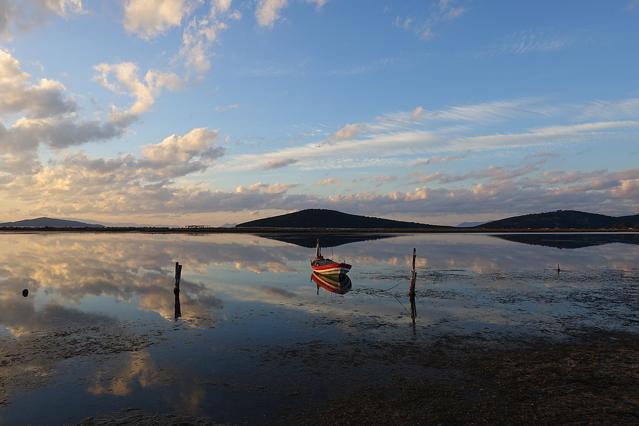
x=47 y=222
x=320 y=218
x=563 y=219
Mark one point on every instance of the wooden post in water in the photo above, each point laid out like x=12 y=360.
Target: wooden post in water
x=178 y=274
x=176 y=290
x=413 y=275
x=411 y=293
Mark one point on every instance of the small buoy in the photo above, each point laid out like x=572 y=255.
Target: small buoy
x=25 y=292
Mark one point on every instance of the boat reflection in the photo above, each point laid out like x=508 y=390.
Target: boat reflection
x=338 y=283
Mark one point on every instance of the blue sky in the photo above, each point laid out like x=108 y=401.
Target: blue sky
x=215 y=112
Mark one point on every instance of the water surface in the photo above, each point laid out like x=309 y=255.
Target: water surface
x=98 y=331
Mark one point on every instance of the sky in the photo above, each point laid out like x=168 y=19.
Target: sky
x=214 y=112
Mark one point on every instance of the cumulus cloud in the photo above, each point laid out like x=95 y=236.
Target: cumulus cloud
x=23 y=15
x=196 y=41
x=151 y=18
x=46 y=114
x=268 y=12
x=183 y=149
x=201 y=33
x=42 y=99
x=147 y=185
x=611 y=192
x=220 y=6
x=124 y=183
x=123 y=78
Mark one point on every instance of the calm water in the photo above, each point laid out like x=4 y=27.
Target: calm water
x=98 y=333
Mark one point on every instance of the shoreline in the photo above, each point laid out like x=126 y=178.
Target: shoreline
x=305 y=231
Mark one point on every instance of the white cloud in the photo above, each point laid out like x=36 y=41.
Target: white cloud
x=201 y=33
x=623 y=108
x=279 y=163
x=123 y=78
x=318 y=3
x=197 y=38
x=349 y=131
x=44 y=114
x=531 y=41
x=229 y=107
x=24 y=15
x=43 y=99
x=151 y=18
x=196 y=143
x=417 y=113
x=328 y=181
x=396 y=135
x=436 y=160
x=78 y=182
x=220 y=6
x=439 y=12
x=268 y=11
x=263 y=188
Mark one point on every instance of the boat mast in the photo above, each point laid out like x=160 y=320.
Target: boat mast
x=318 y=250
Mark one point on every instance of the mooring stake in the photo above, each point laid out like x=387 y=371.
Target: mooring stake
x=178 y=274
x=413 y=274
x=411 y=293
x=176 y=290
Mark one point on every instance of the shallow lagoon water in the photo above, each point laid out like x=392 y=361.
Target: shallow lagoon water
x=97 y=332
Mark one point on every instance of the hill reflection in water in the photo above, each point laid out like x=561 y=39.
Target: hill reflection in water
x=327 y=240
x=570 y=241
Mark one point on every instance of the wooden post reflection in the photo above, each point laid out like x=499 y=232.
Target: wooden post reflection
x=413 y=309
x=176 y=290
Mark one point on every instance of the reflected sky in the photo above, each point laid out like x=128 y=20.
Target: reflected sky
x=100 y=319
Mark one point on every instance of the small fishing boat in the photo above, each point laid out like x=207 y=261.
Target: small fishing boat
x=327 y=266
x=339 y=284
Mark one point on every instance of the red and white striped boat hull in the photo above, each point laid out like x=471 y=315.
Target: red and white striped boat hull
x=327 y=266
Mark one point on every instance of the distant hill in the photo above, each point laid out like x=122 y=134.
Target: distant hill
x=564 y=219
x=47 y=222
x=319 y=218
x=469 y=224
